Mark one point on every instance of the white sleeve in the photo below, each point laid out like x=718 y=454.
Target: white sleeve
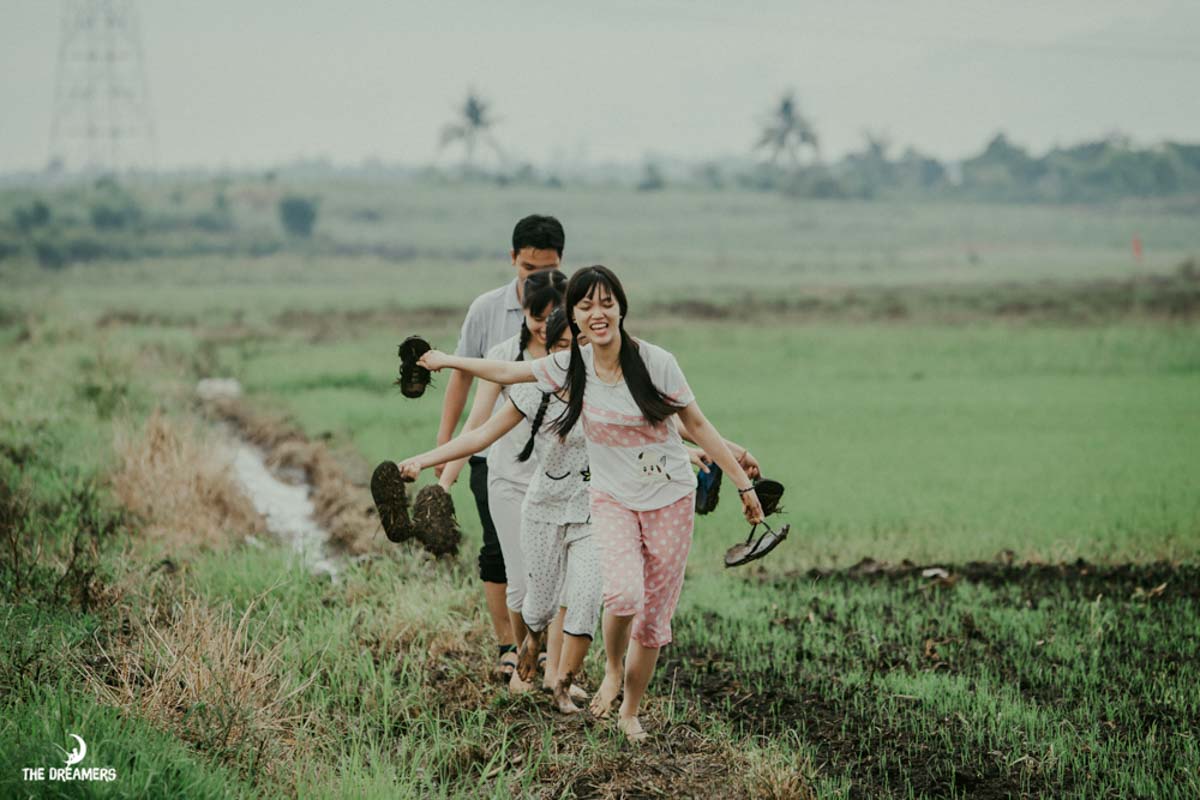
x=551 y=372
x=668 y=377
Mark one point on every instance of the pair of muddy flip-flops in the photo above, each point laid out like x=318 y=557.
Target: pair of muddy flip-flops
x=769 y=494
x=432 y=521
x=413 y=377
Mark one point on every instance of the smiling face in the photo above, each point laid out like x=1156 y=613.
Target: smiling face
x=528 y=260
x=598 y=316
x=535 y=321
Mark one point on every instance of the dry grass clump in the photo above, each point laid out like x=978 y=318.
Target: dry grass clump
x=172 y=478
x=341 y=506
x=206 y=676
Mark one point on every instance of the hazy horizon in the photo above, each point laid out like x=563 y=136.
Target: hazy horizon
x=241 y=86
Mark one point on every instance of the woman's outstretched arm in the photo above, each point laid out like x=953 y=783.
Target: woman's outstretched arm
x=502 y=372
x=466 y=444
x=702 y=432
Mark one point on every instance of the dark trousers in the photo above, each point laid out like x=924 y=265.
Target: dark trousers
x=491 y=560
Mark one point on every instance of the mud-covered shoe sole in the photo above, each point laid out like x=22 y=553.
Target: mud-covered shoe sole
x=413 y=378
x=433 y=517
x=391 y=501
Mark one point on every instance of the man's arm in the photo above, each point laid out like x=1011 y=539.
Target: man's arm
x=455 y=399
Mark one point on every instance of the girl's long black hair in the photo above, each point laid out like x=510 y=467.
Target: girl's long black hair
x=654 y=405
x=556 y=326
x=542 y=288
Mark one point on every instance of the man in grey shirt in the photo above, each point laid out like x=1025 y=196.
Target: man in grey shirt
x=537 y=244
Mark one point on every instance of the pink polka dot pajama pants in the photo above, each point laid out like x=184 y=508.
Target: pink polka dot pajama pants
x=643 y=555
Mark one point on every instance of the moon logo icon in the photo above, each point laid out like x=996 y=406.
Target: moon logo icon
x=76 y=755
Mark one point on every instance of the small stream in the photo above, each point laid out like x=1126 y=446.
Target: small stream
x=285 y=506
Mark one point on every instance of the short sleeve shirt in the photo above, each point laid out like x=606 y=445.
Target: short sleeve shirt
x=558 y=491
x=502 y=455
x=642 y=466
x=493 y=317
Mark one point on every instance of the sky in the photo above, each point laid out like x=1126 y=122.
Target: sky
x=242 y=85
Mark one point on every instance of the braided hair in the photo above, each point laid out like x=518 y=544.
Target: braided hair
x=556 y=326
x=542 y=288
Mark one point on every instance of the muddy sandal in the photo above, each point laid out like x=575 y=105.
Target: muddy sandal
x=391 y=501
x=505 y=666
x=753 y=549
x=413 y=378
x=769 y=494
x=434 y=520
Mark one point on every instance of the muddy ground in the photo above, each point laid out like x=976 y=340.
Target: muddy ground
x=883 y=753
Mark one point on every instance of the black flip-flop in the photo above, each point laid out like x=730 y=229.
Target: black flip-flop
x=413 y=378
x=391 y=501
x=769 y=494
x=753 y=549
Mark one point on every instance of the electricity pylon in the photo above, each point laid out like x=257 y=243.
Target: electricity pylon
x=102 y=119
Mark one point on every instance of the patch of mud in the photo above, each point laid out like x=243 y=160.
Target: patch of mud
x=881 y=757
x=835 y=627
x=1169 y=297
x=1160 y=581
x=321 y=326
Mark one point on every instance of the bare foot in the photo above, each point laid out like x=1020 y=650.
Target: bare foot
x=562 y=695
x=527 y=656
x=632 y=729
x=602 y=702
x=518 y=686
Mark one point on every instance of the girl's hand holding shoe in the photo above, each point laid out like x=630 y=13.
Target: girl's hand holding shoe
x=699 y=458
x=750 y=505
x=750 y=464
x=434 y=360
x=409 y=470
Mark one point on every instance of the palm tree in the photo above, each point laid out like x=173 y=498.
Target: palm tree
x=787 y=130
x=473 y=126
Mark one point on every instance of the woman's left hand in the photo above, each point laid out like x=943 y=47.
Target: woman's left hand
x=750 y=464
x=751 y=507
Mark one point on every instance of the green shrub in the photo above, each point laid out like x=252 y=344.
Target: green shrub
x=35 y=215
x=298 y=214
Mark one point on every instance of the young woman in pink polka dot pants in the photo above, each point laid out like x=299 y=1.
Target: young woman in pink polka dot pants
x=632 y=400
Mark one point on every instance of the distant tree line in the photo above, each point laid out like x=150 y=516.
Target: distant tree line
x=1106 y=169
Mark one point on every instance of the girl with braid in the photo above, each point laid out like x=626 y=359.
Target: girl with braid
x=507 y=477
x=633 y=403
x=561 y=562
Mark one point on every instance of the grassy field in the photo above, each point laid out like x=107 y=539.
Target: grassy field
x=1047 y=466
